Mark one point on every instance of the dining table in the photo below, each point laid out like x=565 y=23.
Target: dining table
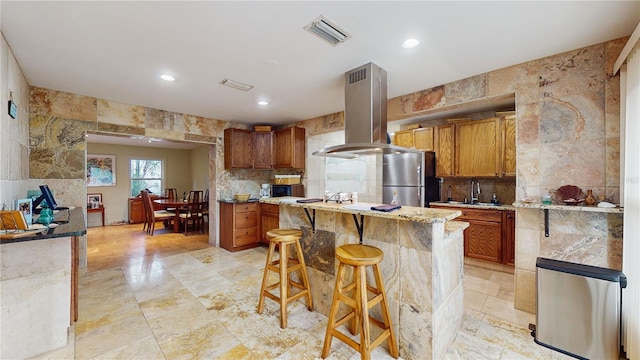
x=175 y=204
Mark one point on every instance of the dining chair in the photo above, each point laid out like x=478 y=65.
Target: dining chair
x=171 y=193
x=155 y=215
x=205 y=207
x=192 y=212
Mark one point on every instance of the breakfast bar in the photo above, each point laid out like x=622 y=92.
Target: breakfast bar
x=422 y=267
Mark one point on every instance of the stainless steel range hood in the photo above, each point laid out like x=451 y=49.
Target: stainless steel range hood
x=365 y=116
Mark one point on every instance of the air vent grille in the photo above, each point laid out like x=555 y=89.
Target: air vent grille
x=358 y=75
x=327 y=31
x=236 y=85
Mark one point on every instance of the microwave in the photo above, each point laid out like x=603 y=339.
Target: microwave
x=287 y=190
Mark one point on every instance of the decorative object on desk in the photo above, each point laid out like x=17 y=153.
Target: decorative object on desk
x=46 y=214
x=12 y=220
x=546 y=199
x=590 y=200
x=241 y=197
x=94 y=200
x=101 y=170
x=570 y=194
x=25 y=206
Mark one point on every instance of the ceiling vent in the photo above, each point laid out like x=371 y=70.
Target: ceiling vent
x=327 y=31
x=236 y=85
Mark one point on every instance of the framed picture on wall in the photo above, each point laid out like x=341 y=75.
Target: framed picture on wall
x=94 y=200
x=101 y=170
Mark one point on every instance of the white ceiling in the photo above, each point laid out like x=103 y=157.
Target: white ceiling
x=117 y=50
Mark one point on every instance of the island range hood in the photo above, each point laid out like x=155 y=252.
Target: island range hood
x=365 y=116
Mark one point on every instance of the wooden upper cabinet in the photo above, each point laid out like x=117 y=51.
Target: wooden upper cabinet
x=423 y=139
x=263 y=149
x=403 y=138
x=290 y=148
x=444 y=146
x=508 y=153
x=238 y=149
x=478 y=148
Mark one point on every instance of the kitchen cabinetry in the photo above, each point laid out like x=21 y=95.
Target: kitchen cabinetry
x=263 y=149
x=290 y=148
x=509 y=237
x=490 y=235
x=403 y=138
x=238 y=149
x=444 y=145
x=239 y=226
x=419 y=139
x=478 y=148
x=269 y=219
x=423 y=139
x=508 y=151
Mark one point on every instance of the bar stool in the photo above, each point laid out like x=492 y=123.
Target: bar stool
x=284 y=266
x=359 y=257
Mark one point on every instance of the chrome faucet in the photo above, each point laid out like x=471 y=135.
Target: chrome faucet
x=475 y=195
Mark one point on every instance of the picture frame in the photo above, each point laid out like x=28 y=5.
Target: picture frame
x=25 y=206
x=101 y=170
x=94 y=200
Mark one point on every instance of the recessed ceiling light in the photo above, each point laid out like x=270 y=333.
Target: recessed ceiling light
x=410 y=43
x=263 y=102
x=167 y=77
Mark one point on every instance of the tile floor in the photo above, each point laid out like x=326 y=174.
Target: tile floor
x=199 y=302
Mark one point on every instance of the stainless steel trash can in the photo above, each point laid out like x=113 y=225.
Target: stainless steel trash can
x=578 y=309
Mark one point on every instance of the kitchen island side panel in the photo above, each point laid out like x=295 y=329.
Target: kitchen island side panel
x=421 y=270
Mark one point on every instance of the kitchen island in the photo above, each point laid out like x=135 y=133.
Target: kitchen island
x=422 y=268
x=39 y=287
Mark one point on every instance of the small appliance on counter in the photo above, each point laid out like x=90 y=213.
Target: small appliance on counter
x=265 y=191
x=287 y=190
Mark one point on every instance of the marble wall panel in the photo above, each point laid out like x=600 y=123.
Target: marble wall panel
x=572 y=163
x=321 y=285
x=467 y=89
x=527 y=124
x=612 y=50
x=51 y=164
x=525 y=290
x=58 y=133
x=448 y=262
x=381 y=230
x=389 y=269
x=121 y=129
x=62 y=104
x=513 y=79
x=561 y=122
x=448 y=320
x=197 y=125
x=529 y=172
x=410 y=105
x=416 y=272
x=415 y=235
x=527 y=248
x=200 y=138
x=612 y=171
x=319 y=249
x=415 y=339
x=117 y=113
x=163 y=120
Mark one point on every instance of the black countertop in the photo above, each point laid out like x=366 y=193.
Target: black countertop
x=70 y=223
x=238 y=202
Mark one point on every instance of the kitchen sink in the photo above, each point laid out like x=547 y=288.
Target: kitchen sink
x=485 y=204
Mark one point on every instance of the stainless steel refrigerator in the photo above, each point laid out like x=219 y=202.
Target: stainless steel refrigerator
x=410 y=179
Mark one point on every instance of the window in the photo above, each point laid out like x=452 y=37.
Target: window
x=146 y=174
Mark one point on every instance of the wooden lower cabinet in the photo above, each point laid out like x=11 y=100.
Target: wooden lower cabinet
x=239 y=226
x=509 y=237
x=136 y=211
x=269 y=219
x=490 y=235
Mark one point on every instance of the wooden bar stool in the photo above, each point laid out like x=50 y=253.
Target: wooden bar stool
x=359 y=257
x=284 y=266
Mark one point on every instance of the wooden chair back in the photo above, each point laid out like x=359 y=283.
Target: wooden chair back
x=171 y=193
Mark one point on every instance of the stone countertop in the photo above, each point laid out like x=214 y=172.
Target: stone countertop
x=70 y=223
x=534 y=205
x=475 y=206
x=408 y=213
